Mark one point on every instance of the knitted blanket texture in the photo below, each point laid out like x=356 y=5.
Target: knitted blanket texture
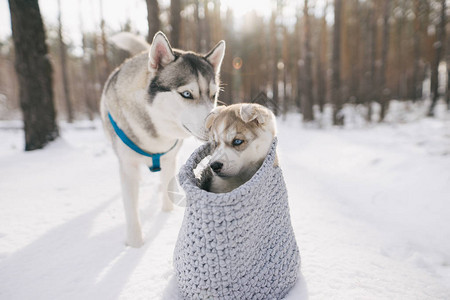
x=236 y=245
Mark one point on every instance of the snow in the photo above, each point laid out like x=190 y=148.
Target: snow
x=370 y=209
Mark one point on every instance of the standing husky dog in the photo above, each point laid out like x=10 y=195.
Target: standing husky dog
x=242 y=135
x=149 y=105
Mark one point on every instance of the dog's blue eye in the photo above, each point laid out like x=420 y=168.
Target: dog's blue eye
x=237 y=142
x=187 y=95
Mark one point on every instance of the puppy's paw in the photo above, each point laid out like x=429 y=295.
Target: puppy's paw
x=206 y=179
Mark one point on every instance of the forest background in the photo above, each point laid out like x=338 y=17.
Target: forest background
x=293 y=56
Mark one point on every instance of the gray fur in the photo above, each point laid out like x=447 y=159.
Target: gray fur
x=143 y=96
x=112 y=80
x=119 y=78
x=146 y=123
x=186 y=68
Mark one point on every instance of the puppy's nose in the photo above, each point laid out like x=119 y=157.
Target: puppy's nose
x=216 y=166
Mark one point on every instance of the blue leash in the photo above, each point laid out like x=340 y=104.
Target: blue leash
x=156 y=162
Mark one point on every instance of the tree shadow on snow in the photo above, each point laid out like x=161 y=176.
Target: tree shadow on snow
x=69 y=263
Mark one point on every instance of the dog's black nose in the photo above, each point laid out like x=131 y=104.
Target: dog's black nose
x=216 y=166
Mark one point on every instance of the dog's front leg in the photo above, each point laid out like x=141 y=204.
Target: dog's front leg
x=129 y=177
x=168 y=181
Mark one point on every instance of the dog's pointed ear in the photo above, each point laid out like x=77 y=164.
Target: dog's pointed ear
x=250 y=112
x=209 y=121
x=160 y=54
x=215 y=56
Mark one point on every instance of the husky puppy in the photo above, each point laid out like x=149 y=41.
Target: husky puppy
x=242 y=135
x=149 y=105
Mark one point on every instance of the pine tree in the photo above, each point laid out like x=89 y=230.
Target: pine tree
x=65 y=77
x=322 y=61
x=338 y=118
x=308 y=100
x=383 y=93
x=153 y=19
x=34 y=73
x=175 y=22
x=439 y=46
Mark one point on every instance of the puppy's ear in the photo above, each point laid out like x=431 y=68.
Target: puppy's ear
x=250 y=112
x=160 y=54
x=209 y=121
x=215 y=56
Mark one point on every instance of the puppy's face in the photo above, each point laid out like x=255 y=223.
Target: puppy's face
x=242 y=135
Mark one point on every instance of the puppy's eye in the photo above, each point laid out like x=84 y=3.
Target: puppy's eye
x=187 y=95
x=237 y=142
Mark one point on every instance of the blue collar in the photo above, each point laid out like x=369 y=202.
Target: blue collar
x=156 y=164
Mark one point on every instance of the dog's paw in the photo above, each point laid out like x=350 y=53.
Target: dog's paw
x=167 y=206
x=135 y=242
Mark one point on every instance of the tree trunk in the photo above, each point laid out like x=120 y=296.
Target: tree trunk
x=400 y=26
x=448 y=74
x=86 y=89
x=321 y=62
x=34 y=73
x=286 y=71
x=65 y=77
x=354 y=44
x=417 y=82
x=308 y=100
x=438 y=45
x=175 y=22
x=95 y=66
x=383 y=91
x=153 y=19
x=372 y=57
x=299 y=65
x=87 y=93
x=207 y=26
x=274 y=42
x=275 y=81
x=198 y=22
x=285 y=92
x=226 y=73
x=104 y=55
x=338 y=118
x=217 y=34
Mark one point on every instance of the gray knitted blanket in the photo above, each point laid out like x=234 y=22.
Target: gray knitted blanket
x=236 y=245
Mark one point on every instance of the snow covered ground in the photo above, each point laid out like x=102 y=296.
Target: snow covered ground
x=370 y=208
